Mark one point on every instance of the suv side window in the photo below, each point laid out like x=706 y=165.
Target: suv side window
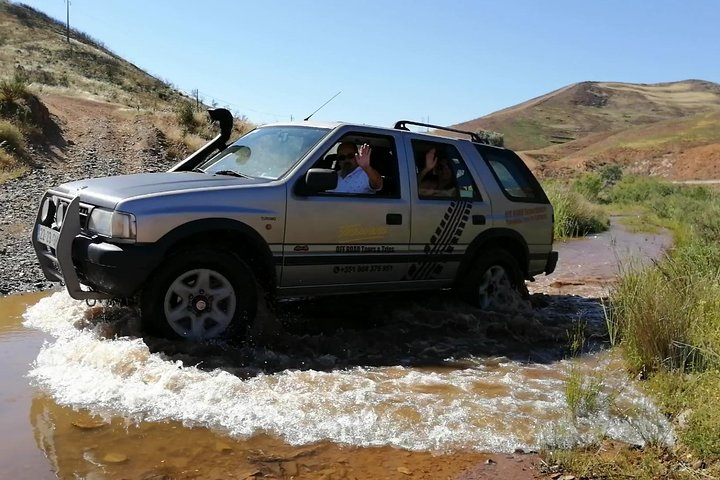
x=383 y=159
x=442 y=172
x=515 y=179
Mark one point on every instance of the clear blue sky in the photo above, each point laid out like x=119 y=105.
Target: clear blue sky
x=442 y=61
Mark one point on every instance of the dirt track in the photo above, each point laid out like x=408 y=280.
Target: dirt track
x=89 y=139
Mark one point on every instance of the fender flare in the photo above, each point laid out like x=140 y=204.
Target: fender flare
x=504 y=238
x=219 y=231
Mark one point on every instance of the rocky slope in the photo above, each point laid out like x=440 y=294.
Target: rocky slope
x=95 y=139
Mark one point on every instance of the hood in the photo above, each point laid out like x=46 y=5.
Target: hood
x=109 y=191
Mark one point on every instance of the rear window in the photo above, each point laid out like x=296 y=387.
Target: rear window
x=516 y=180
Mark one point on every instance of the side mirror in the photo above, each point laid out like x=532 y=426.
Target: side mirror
x=320 y=180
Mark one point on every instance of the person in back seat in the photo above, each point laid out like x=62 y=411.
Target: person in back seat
x=437 y=178
x=355 y=174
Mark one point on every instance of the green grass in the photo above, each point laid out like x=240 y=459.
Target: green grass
x=691 y=399
x=646 y=222
x=575 y=216
x=525 y=134
x=610 y=460
x=583 y=393
x=667 y=317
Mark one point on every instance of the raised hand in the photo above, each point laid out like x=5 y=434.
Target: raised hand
x=363 y=156
x=430 y=160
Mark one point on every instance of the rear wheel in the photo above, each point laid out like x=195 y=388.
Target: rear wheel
x=199 y=295
x=494 y=282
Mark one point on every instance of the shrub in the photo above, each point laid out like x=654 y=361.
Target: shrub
x=11 y=137
x=668 y=316
x=6 y=160
x=13 y=90
x=574 y=215
x=633 y=190
x=185 y=116
x=589 y=185
x=651 y=310
x=491 y=138
x=610 y=175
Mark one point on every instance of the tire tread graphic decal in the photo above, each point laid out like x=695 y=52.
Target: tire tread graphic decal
x=446 y=236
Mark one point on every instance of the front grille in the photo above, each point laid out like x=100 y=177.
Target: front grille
x=84 y=215
x=84 y=211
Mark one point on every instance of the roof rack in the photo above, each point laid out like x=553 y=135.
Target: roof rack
x=402 y=125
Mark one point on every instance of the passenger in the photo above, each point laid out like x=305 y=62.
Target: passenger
x=437 y=179
x=355 y=174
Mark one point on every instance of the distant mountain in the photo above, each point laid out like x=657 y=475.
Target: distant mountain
x=669 y=129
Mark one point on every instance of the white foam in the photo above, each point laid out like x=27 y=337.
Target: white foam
x=404 y=407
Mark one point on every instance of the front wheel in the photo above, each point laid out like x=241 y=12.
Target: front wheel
x=494 y=282
x=200 y=295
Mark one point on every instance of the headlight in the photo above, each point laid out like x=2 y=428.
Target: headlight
x=47 y=212
x=112 y=224
x=60 y=215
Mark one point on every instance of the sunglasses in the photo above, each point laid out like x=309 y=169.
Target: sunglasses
x=346 y=156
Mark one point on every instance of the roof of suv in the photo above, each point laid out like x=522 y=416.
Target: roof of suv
x=399 y=126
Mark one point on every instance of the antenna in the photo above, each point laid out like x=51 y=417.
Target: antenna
x=321 y=106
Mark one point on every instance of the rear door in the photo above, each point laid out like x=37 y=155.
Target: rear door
x=447 y=216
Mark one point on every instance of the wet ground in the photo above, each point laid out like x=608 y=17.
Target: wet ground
x=415 y=386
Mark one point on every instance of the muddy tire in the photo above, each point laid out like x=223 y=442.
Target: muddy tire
x=198 y=295
x=494 y=281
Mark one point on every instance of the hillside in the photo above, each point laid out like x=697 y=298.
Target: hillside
x=48 y=85
x=34 y=46
x=72 y=111
x=667 y=129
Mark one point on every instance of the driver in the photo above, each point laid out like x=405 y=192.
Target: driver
x=355 y=174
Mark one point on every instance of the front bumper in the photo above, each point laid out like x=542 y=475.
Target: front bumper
x=107 y=270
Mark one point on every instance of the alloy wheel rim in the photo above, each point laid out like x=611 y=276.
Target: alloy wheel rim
x=494 y=286
x=200 y=304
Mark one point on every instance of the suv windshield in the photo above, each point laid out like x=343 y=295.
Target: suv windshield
x=266 y=152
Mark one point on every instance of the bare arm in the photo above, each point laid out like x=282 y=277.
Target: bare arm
x=363 y=160
x=430 y=162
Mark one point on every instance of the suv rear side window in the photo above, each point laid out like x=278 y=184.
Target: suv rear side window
x=515 y=179
x=442 y=173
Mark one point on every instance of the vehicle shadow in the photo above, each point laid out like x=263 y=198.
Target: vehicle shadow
x=432 y=330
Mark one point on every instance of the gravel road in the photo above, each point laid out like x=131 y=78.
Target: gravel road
x=84 y=139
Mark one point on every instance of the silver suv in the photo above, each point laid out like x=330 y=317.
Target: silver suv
x=196 y=246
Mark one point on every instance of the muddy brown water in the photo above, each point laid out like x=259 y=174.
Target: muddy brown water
x=414 y=386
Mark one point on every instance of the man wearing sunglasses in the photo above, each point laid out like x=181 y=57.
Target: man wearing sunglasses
x=355 y=174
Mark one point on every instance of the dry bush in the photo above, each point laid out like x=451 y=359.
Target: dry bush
x=10 y=167
x=6 y=160
x=179 y=144
x=11 y=138
x=13 y=90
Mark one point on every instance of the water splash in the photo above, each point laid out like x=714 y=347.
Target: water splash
x=438 y=376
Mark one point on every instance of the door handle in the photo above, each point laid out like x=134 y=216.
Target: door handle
x=393 y=219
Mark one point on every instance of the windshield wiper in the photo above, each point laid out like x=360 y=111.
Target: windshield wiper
x=232 y=173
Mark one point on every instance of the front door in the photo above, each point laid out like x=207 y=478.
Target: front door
x=350 y=238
